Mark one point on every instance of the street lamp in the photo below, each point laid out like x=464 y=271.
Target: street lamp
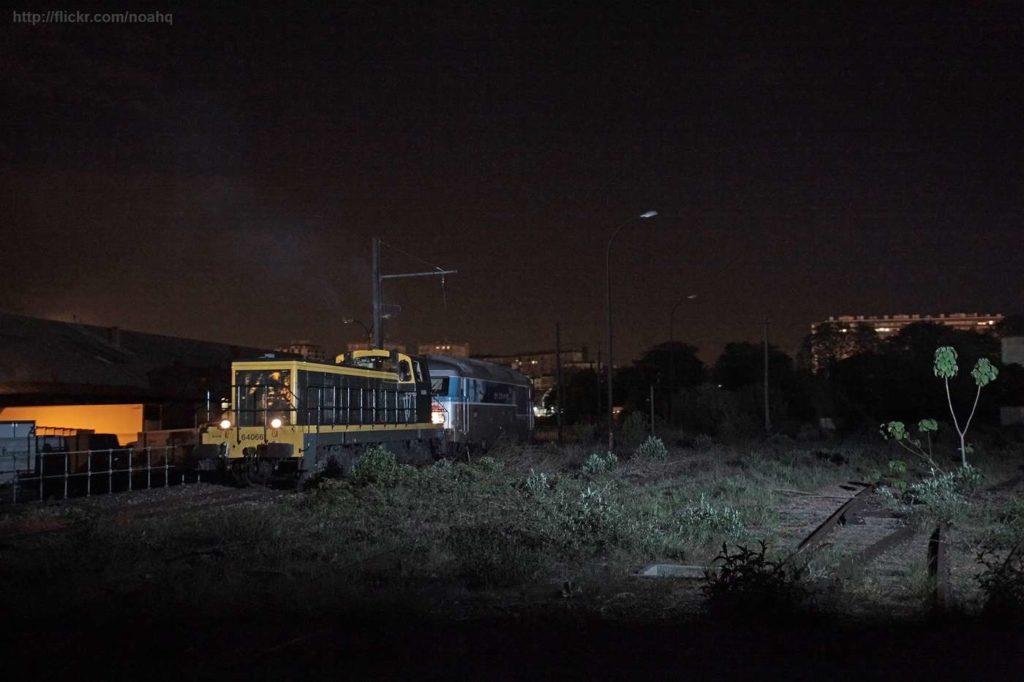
x=608 y=312
x=369 y=332
x=671 y=315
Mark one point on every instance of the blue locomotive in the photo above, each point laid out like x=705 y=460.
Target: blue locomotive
x=479 y=402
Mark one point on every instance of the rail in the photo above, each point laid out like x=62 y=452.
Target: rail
x=938 y=562
x=62 y=474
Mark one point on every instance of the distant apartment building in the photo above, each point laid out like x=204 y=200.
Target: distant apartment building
x=452 y=350
x=888 y=325
x=541 y=366
x=309 y=351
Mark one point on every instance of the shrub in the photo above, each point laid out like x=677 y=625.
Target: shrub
x=490 y=465
x=748 y=582
x=594 y=520
x=944 y=495
x=378 y=466
x=598 y=464
x=634 y=429
x=1002 y=581
x=652 y=448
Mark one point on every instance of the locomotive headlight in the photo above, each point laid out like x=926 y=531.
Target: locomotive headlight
x=437 y=417
x=225 y=424
x=275 y=423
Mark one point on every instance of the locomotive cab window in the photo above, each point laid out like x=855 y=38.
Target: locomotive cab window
x=404 y=372
x=263 y=395
x=439 y=385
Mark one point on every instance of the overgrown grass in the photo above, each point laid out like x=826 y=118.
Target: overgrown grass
x=524 y=515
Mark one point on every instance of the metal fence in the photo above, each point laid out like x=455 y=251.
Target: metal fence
x=41 y=475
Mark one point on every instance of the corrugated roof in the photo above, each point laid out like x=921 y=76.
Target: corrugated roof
x=39 y=356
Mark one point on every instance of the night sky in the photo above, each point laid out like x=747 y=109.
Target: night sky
x=221 y=178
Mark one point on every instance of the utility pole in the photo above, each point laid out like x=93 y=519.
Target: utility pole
x=378 y=289
x=767 y=419
x=558 y=375
x=378 y=298
x=652 y=409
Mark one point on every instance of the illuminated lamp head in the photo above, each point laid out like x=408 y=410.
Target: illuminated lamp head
x=225 y=424
x=275 y=423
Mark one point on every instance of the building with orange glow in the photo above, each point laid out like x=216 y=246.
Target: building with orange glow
x=107 y=380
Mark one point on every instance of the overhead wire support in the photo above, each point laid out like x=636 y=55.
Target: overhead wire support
x=378 y=289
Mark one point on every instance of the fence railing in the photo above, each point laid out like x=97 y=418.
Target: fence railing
x=58 y=474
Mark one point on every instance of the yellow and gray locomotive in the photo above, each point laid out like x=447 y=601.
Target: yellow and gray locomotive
x=289 y=416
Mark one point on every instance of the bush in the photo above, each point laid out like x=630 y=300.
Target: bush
x=598 y=464
x=634 y=429
x=490 y=465
x=1002 y=581
x=594 y=520
x=748 y=582
x=652 y=448
x=944 y=494
x=378 y=466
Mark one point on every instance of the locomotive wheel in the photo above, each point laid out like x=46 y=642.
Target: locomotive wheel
x=259 y=472
x=237 y=473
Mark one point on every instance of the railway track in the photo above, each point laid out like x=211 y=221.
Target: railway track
x=846 y=533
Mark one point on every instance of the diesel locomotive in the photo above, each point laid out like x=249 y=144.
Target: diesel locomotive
x=290 y=417
x=479 y=402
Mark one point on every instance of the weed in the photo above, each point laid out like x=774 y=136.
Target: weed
x=594 y=520
x=538 y=483
x=983 y=374
x=652 y=448
x=939 y=497
x=490 y=465
x=897 y=431
x=704 y=520
x=378 y=466
x=748 y=582
x=1002 y=581
x=598 y=464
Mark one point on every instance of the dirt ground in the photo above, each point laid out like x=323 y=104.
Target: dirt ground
x=605 y=626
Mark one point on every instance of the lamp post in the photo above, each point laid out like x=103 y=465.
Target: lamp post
x=369 y=332
x=672 y=315
x=671 y=351
x=608 y=313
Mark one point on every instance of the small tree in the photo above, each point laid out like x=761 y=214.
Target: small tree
x=946 y=368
